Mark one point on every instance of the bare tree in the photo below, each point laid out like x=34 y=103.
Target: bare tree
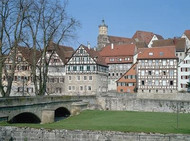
x=12 y=15
x=47 y=21
x=36 y=23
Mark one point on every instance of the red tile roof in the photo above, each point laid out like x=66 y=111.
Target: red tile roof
x=157 y=53
x=187 y=33
x=118 y=50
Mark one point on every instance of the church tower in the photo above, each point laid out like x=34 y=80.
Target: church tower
x=103 y=35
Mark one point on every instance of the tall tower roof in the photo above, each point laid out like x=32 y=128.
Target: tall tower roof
x=103 y=24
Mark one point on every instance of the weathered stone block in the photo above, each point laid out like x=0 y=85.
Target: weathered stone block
x=48 y=116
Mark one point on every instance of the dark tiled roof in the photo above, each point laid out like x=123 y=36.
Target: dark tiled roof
x=141 y=45
x=144 y=36
x=157 y=53
x=27 y=53
x=179 y=43
x=119 y=40
x=95 y=55
x=64 y=52
x=118 y=50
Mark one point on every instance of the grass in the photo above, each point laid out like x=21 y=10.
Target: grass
x=120 y=121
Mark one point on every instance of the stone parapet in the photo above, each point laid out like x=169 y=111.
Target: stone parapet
x=29 y=134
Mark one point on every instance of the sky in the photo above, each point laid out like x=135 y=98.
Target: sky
x=169 y=18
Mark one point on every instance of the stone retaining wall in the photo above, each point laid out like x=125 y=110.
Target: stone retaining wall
x=137 y=104
x=30 y=134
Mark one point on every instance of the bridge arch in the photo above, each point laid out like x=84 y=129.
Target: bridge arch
x=25 y=117
x=61 y=113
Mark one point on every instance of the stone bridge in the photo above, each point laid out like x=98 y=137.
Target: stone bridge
x=42 y=109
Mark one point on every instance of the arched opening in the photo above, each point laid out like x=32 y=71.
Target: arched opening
x=25 y=118
x=61 y=113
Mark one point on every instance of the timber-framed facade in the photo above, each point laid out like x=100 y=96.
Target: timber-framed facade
x=86 y=72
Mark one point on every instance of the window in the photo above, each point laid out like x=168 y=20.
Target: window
x=171 y=62
x=150 y=53
x=51 y=80
x=142 y=63
x=69 y=88
x=20 y=89
x=142 y=72
x=58 y=90
x=164 y=62
x=81 y=68
x=88 y=68
x=62 y=80
x=69 y=77
x=149 y=73
x=81 y=88
x=73 y=87
x=78 y=78
x=142 y=82
x=171 y=83
x=85 y=77
x=161 y=53
x=121 y=90
x=90 y=77
x=157 y=72
x=149 y=62
x=149 y=82
x=156 y=82
x=164 y=82
x=156 y=62
x=111 y=59
x=120 y=59
x=19 y=58
x=81 y=50
x=164 y=72
x=89 y=88
x=171 y=72
x=74 y=68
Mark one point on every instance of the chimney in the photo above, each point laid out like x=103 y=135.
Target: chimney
x=112 y=46
x=88 y=44
x=94 y=48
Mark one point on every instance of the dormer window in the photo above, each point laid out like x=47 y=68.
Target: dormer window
x=19 y=58
x=150 y=53
x=111 y=59
x=161 y=53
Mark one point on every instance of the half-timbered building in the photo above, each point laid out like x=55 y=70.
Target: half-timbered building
x=23 y=80
x=184 y=74
x=119 y=59
x=157 y=70
x=58 y=56
x=127 y=82
x=86 y=72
